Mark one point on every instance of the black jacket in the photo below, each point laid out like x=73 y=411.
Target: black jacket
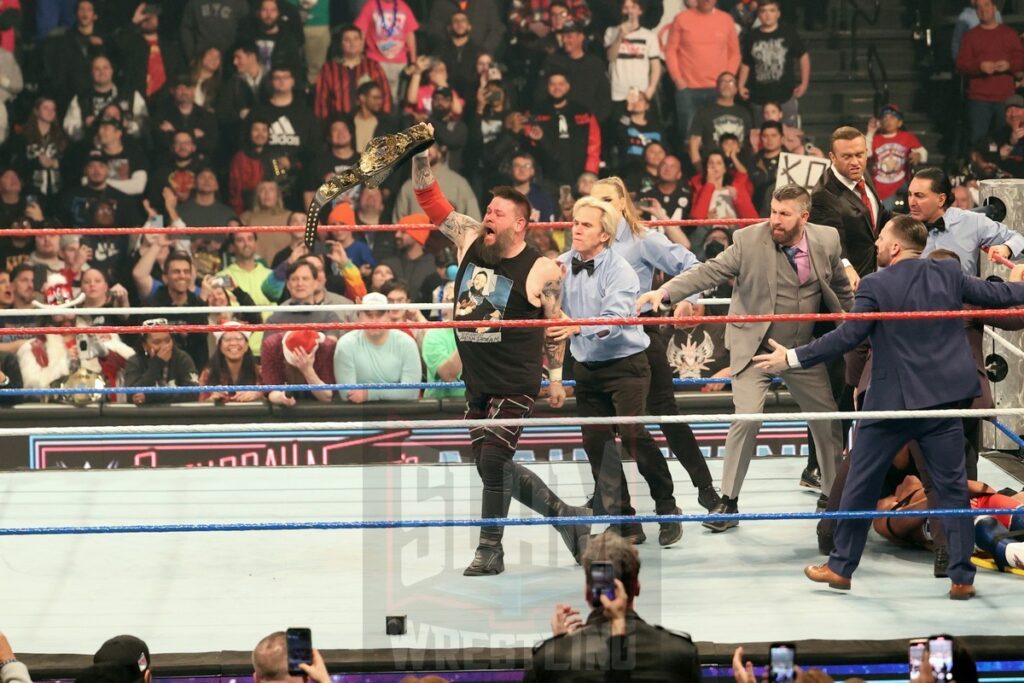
x=834 y=204
x=645 y=653
x=144 y=371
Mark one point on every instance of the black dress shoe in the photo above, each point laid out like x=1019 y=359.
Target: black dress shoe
x=822 y=503
x=810 y=479
x=941 y=563
x=670 y=532
x=488 y=561
x=727 y=506
x=708 y=498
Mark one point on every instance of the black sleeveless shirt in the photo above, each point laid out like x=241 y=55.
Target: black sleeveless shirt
x=498 y=361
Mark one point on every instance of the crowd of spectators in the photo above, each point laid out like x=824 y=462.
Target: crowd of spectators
x=209 y=113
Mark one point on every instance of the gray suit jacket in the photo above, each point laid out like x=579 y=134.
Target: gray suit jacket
x=751 y=260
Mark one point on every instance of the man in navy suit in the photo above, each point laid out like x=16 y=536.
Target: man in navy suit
x=918 y=364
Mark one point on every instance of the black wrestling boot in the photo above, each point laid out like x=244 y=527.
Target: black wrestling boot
x=826 y=542
x=670 y=532
x=941 y=565
x=490 y=556
x=530 y=490
x=708 y=498
x=727 y=506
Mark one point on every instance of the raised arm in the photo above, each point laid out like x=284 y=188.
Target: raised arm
x=547 y=279
x=457 y=227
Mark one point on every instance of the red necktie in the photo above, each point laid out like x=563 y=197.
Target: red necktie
x=862 y=189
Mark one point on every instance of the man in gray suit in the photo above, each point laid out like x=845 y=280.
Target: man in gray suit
x=783 y=266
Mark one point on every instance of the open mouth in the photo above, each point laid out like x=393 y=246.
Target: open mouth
x=489 y=231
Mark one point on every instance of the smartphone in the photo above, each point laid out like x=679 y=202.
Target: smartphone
x=602 y=582
x=300 y=649
x=781 y=662
x=940 y=654
x=916 y=656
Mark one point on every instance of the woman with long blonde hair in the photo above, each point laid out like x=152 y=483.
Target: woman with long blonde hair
x=647 y=251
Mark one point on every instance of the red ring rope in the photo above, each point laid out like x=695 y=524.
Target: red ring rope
x=386 y=227
x=500 y=324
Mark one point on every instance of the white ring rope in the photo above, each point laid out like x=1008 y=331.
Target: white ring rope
x=1004 y=342
x=298 y=308
x=517 y=422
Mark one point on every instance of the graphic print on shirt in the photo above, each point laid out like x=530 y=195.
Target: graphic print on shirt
x=891 y=163
x=483 y=295
x=728 y=123
x=282 y=133
x=389 y=31
x=769 y=59
x=691 y=356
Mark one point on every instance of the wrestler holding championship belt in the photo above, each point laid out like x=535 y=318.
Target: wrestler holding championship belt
x=383 y=155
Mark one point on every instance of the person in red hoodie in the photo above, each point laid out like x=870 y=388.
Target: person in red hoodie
x=990 y=54
x=719 y=193
x=249 y=167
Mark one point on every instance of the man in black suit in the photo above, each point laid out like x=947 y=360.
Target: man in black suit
x=846 y=200
x=614 y=643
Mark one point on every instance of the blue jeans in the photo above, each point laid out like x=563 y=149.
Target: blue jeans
x=688 y=102
x=983 y=118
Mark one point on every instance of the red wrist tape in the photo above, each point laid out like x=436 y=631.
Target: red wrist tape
x=434 y=203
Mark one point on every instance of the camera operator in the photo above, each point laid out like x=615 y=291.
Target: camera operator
x=614 y=640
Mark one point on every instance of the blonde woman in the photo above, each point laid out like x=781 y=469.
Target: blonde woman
x=647 y=251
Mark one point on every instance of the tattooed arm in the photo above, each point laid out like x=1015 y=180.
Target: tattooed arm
x=547 y=276
x=457 y=227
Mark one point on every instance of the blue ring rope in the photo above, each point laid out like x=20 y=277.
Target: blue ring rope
x=106 y=391
x=512 y=521
x=1012 y=435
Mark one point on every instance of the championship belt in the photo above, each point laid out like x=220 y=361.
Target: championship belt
x=382 y=156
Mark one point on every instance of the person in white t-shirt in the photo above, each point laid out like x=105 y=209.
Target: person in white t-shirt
x=634 y=54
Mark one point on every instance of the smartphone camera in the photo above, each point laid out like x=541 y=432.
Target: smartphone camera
x=782 y=662
x=300 y=649
x=916 y=656
x=602 y=582
x=940 y=656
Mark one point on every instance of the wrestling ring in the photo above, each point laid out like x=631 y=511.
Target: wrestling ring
x=202 y=561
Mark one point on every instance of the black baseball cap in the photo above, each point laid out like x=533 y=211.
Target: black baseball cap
x=126 y=650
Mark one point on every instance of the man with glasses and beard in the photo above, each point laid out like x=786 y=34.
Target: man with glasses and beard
x=502 y=366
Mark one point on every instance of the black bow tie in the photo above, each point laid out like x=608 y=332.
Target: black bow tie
x=938 y=226
x=578 y=265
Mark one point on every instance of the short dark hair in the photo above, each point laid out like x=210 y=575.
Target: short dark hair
x=393 y=286
x=909 y=231
x=235 y=234
x=302 y=263
x=939 y=182
x=763 y=3
x=247 y=46
x=623 y=556
x=21 y=268
x=844 y=133
x=773 y=125
x=349 y=28
x=178 y=256
x=727 y=136
x=795 y=193
x=366 y=87
x=516 y=197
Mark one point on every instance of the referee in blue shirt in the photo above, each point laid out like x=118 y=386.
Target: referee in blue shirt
x=611 y=371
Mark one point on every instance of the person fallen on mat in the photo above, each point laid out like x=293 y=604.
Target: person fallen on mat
x=611 y=368
x=917 y=364
x=502 y=367
x=1000 y=536
x=614 y=643
x=161 y=364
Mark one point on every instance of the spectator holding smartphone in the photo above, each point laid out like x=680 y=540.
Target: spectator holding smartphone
x=632 y=645
x=270 y=663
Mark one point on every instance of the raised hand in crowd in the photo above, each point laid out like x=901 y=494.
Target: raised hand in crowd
x=565 y=620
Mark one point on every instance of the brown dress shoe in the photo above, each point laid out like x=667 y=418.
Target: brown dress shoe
x=961 y=591
x=822 y=573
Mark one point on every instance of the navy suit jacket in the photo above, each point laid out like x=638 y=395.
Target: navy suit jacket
x=921 y=363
